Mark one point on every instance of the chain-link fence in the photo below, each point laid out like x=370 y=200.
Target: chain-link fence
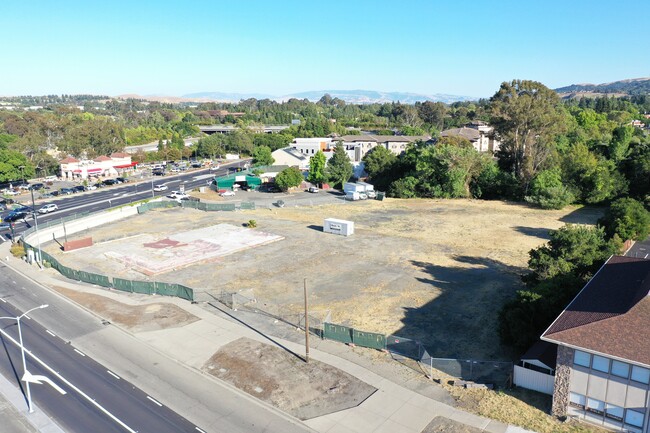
x=498 y=373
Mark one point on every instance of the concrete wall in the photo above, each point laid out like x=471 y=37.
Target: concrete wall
x=81 y=224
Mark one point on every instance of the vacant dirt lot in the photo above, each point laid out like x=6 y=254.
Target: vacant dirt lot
x=284 y=380
x=432 y=270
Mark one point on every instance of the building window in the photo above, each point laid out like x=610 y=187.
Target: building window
x=614 y=412
x=582 y=358
x=640 y=374
x=634 y=418
x=600 y=363
x=577 y=400
x=620 y=369
x=595 y=406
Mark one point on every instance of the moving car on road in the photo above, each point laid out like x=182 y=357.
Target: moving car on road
x=160 y=188
x=15 y=216
x=51 y=207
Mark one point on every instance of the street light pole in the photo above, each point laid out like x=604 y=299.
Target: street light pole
x=38 y=237
x=22 y=352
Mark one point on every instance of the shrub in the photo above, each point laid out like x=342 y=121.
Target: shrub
x=17 y=250
x=251 y=224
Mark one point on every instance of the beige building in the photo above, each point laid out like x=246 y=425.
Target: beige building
x=357 y=146
x=602 y=373
x=479 y=133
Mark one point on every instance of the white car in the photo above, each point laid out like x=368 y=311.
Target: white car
x=48 y=208
x=160 y=188
x=227 y=194
x=215 y=167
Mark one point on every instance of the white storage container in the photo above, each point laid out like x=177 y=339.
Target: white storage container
x=338 y=227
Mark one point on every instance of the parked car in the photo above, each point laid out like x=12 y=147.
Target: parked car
x=21 y=208
x=91 y=187
x=50 y=194
x=50 y=178
x=36 y=186
x=109 y=182
x=227 y=194
x=160 y=188
x=48 y=208
x=15 y=216
x=313 y=189
x=79 y=188
x=67 y=191
x=121 y=180
x=158 y=172
x=11 y=192
x=371 y=194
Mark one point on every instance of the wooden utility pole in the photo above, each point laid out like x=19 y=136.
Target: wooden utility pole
x=306 y=323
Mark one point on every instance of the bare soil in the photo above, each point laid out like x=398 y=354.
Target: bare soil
x=141 y=318
x=441 y=424
x=282 y=378
x=436 y=271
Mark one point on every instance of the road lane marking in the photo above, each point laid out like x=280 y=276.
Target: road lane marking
x=3 y=300
x=27 y=317
x=50 y=332
x=113 y=374
x=67 y=382
x=159 y=404
x=198 y=429
x=80 y=352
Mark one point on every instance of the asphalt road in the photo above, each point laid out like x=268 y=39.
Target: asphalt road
x=96 y=398
x=114 y=196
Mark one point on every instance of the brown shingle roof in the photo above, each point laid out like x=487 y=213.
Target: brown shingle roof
x=69 y=160
x=469 y=133
x=611 y=314
x=102 y=158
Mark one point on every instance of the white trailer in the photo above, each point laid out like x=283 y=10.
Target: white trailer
x=338 y=227
x=366 y=186
x=352 y=196
x=352 y=187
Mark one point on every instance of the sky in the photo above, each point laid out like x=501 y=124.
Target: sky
x=279 y=47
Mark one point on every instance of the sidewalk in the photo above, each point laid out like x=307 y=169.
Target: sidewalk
x=402 y=403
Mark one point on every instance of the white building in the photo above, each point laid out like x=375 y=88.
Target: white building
x=114 y=165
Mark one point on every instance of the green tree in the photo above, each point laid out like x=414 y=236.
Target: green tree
x=317 y=165
x=627 y=219
x=559 y=270
x=527 y=116
x=289 y=178
x=10 y=166
x=262 y=156
x=572 y=249
x=339 y=168
x=378 y=161
x=405 y=187
x=548 y=192
x=211 y=146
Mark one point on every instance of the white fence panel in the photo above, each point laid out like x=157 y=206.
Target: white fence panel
x=531 y=379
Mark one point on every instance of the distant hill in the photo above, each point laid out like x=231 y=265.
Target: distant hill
x=635 y=86
x=349 y=96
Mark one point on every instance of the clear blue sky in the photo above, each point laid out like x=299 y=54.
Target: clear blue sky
x=280 y=47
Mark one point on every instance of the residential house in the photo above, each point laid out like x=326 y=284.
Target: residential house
x=309 y=146
x=602 y=372
x=479 y=133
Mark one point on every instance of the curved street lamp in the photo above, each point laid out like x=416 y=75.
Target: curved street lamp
x=26 y=374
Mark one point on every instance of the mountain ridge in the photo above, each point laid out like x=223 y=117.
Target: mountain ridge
x=630 y=86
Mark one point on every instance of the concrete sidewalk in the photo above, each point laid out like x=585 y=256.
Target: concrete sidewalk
x=398 y=405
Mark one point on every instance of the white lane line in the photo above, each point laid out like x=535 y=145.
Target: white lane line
x=198 y=429
x=159 y=404
x=3 y=300
x=67 y=382
x=27 y=317
x=113 y=374
x=50 y=332
x=80 y=352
